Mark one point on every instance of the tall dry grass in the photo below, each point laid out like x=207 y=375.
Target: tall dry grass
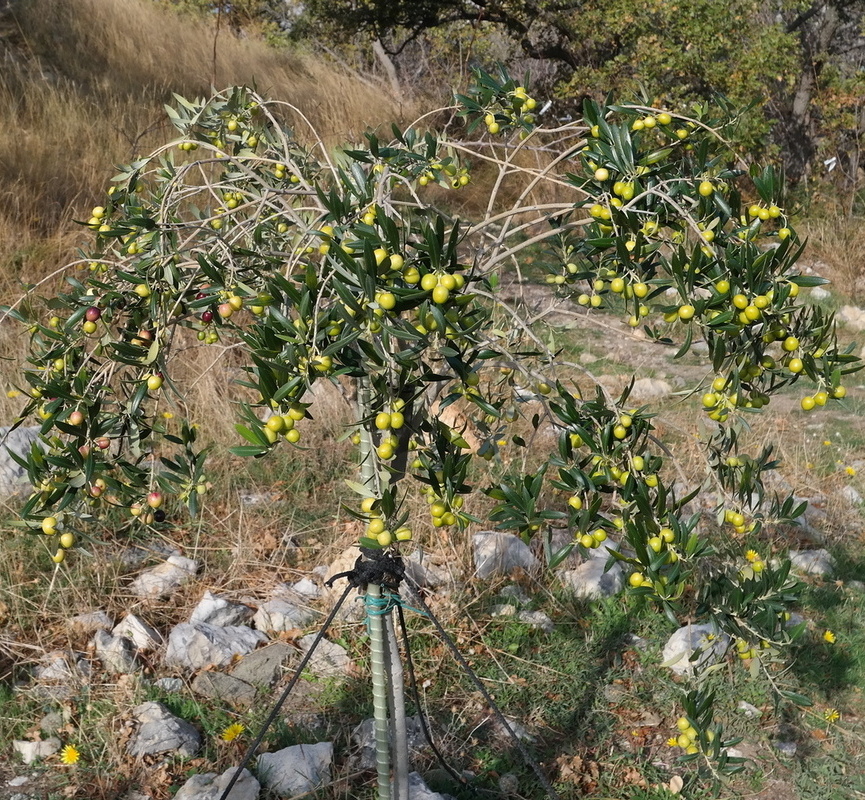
x=83 y=85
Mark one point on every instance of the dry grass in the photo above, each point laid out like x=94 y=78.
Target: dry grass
x=83 y=85
x=835 y=250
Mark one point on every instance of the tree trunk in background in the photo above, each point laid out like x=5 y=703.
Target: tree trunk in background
x=389 y=68
x=796 y=130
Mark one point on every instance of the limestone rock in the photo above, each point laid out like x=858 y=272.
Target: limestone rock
x=592 y=581
x=819 y=293
x=161 y=732
x=498 y=553
x=172 y=685
x=202 y=645
x=263 y=666
x=363 y=739
x=537 y=619
x=220 y=686
x=648 y=389
x=281 y=615
x=63 y=665
x=296 y=770
x=91 y=622
x=418 y=790
x=216 y=610
x=134 y=556
x=31 y=751
x=749 y=710
x=210 y=786
x=788 y=748
x=164 y=578
x=13 y=477
x=812 y=562
x=306 y=588
x=421 y=572
x=352 y=609
x=51 y=723
x=328 y=660
x=117 y=653
x=852 y=317
x=144 y=636
x=850 y=494
x=689 y=639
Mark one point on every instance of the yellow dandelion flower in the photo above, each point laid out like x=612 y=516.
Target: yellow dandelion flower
x=167 y=415
x=827 y=443
x=850 y=471
x=809 y=465
x=69 y=755
x=232 y=732
x=831 y=715
x=12 y=393
x=752 y=556
x=829 y=636
x=673 y=741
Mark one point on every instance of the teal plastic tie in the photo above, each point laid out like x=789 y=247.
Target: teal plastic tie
x=379 y=606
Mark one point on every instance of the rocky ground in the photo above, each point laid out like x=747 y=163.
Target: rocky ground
x=239 y=651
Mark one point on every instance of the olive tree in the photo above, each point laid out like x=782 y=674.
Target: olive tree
x=352 y=267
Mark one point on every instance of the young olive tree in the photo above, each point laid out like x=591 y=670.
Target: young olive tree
x=348 y=266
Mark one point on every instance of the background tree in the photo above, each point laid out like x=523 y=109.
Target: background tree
x=772 y=55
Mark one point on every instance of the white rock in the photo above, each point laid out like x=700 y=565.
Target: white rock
x=423 y=573
x=306 y=588
x=363 y=739
x=353 y=609
x=210 y=786
x=13 y=477
x=750 y=711
x=503 y=610
x=786 y=748
x=202 y=645
x=216 y=610
x=164 y=578
x=169 y=684
x=117 y=653
x=852 y=317
x=161 y=732
x=296 y=770
x=851 y=496
x=66 y=666
x=19 y=781
x=517 y=729
x=812 y=562
x=418 y=790
x=593 y=581
x=819 y=293
x=537 y=619
x=646 y=389
x=329 y=658
x=30 y=751
x=281 y=615
x=257 y=498
x=515 y=594
x=498 y=553
x=91 y=622
x=689 y=639
x=143 y=636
